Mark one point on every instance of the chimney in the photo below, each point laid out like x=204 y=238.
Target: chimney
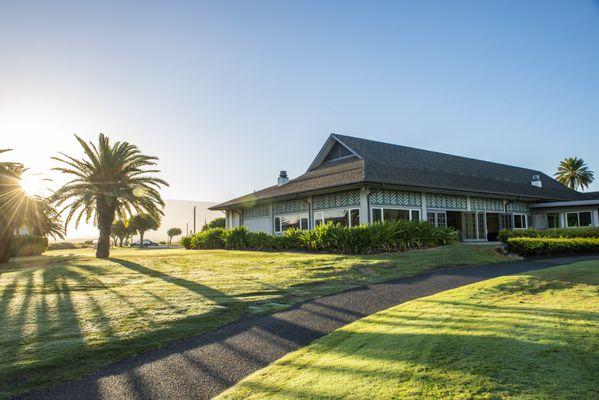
x=536 y=181
x=283 y=179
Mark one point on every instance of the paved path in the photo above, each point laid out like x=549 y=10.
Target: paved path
x=204 y=366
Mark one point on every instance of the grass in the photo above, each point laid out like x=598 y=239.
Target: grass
x=67 y=313
x=530 y=336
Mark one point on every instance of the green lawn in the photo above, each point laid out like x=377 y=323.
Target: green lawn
x=66 y=313
x=531 y=336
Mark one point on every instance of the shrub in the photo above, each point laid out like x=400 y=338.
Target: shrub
x=528 y=246
x=236 y=238
x=588 y=232
x=186 y=242
x=362 y=239
x=27 y=245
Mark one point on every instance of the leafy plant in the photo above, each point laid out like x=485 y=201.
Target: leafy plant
x=362 y=239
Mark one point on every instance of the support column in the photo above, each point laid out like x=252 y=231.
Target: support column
x=364 y=206
x=423 y=216
x=310 y=213
x=595 y=217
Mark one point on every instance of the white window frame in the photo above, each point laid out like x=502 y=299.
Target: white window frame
x=578 y=219
x=436 y=214
x=279 y=216
x=383 y=208
x=524 y=220
x=319 y=215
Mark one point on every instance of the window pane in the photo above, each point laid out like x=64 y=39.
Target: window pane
x=290 y=222
x=415 y=215
x=277 y=224
x=441 y=220
x=336 y=217
x=572 y=219
x=430 y=217
x=304 y=223
x=585 y=218
x=396 y=215
x=518 y=221
x=553 y=220
x=506 y=221
x=377 y=215
x=355 y=217
x=317 y=219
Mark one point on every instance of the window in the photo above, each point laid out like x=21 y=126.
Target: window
x=277 y=224
x=582 y=218
x=506 y=221
x=437 y=218
x=442 y=219
x=343 y=217
x=294 y=221
x=430 y=218
x=552 y=220
x=394 y=214
x=377 y=215
x=519 y=221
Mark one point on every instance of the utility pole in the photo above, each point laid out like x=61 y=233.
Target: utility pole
x=194 y=220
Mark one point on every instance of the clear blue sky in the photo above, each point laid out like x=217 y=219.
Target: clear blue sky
x=229 y=93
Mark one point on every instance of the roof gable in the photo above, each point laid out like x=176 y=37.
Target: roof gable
x=333 y=150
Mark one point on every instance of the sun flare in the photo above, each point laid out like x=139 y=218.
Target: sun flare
x=32 y=184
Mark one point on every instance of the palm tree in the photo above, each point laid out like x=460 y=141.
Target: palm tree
x=110 y=181
x=17 y=210
x=574 y=173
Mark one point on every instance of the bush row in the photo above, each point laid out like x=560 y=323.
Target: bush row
x=589 y=232
x=527 y=246
x=362 y=239
x=26 y=245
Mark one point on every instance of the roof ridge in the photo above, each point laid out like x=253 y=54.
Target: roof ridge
x=437 y=152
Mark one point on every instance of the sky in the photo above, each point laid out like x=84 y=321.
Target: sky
x=227 y=93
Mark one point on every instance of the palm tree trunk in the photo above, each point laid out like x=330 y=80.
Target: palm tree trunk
x=141 y=238
x=105 y=219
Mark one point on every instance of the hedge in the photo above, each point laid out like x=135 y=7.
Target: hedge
x=362 y=239
x=26 y=245
x=527 y=246
x=589 y=232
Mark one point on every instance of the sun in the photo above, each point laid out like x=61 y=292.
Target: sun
x=32 y=184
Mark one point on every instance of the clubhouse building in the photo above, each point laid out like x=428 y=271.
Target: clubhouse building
x=358 y=181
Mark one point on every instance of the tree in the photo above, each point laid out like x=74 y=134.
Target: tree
x=215 y=223
x=110 y=180
x=574 y=173
x=120 y=230
x=173 y=232
x=18 y=210
x=142 y=223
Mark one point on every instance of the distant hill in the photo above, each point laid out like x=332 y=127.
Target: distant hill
x=177 y=213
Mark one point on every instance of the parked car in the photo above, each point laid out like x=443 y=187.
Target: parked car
x=147 y=243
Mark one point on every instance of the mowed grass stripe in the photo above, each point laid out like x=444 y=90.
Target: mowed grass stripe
x=527 y=336
x=67 y=313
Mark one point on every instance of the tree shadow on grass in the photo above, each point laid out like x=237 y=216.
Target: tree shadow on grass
x=437 y=366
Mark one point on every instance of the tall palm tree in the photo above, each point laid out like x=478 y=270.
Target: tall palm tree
x=17 y=210
x=110 y=181
x=574 y=173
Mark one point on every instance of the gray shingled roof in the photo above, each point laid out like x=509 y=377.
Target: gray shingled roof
x=388 y=164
